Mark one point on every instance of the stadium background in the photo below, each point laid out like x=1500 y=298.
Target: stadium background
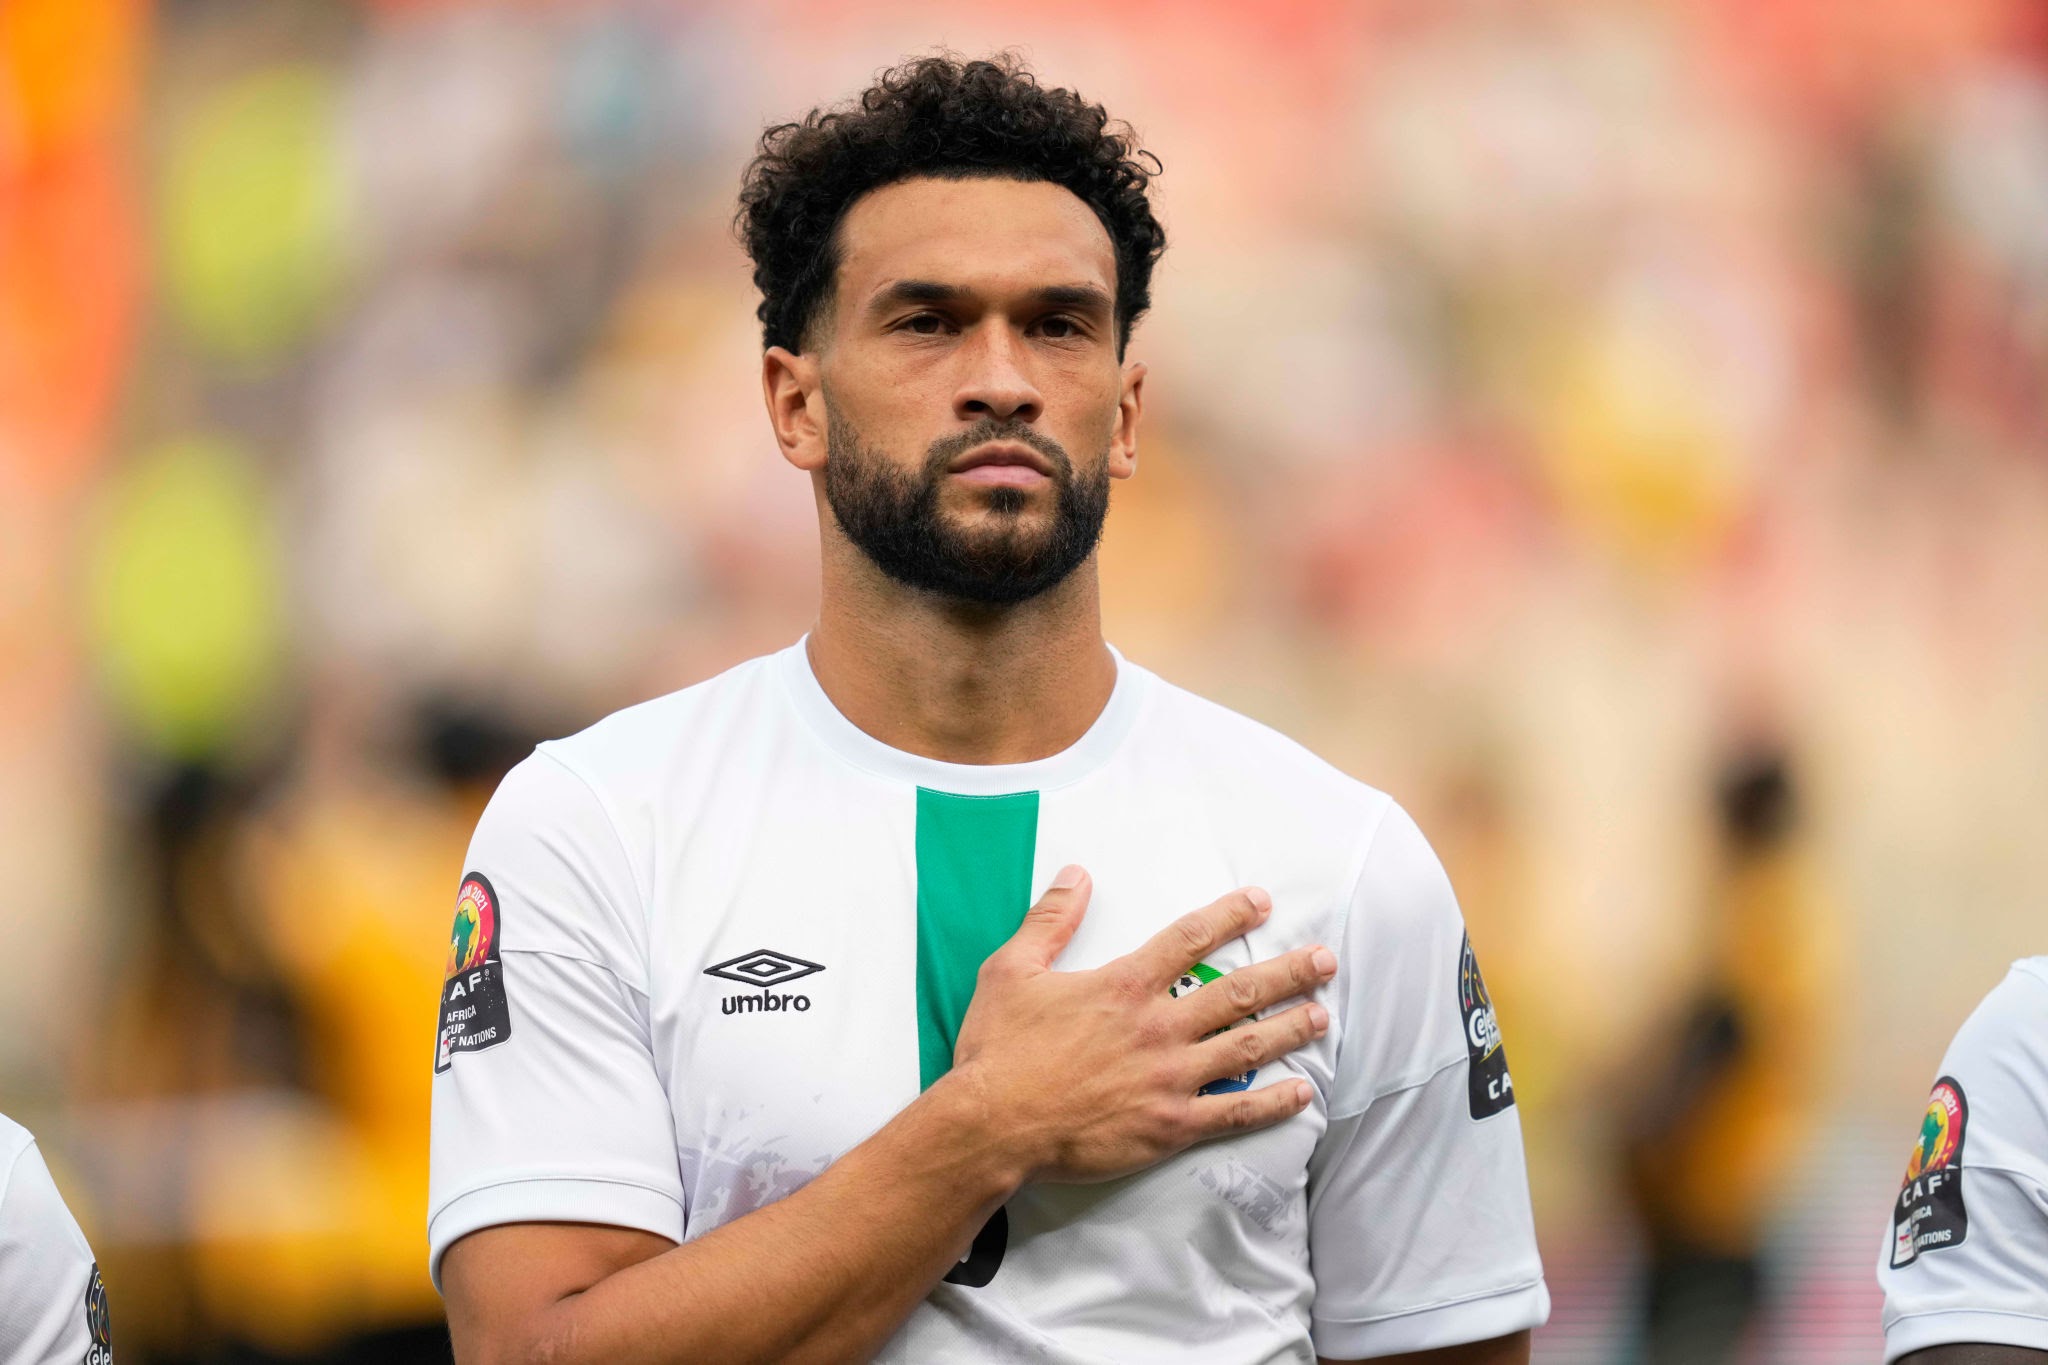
x=1569 y=417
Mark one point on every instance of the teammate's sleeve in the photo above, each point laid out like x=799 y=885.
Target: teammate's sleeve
x=1420 y=1233
x=52 y=1305
x=548 y=1106
x=1965 y=1256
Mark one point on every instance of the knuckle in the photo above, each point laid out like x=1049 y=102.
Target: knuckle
x=1251 y=1049
x=1191 y=936
x=1243 y=1113
x=1129 y=983
x=1241 y=989
x=1151 y=1031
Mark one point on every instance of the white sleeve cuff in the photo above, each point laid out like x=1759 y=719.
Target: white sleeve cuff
x=1918 y=1331
x=1426 y=1329
x=551 y=1201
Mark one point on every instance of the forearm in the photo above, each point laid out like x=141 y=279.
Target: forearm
x=827 y=1274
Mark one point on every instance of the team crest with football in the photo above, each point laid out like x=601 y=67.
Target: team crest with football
x=1192 y=980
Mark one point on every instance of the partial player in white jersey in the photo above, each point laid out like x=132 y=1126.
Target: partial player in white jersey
x=52 y=1304
x=1965 y=1259
x=946 y=987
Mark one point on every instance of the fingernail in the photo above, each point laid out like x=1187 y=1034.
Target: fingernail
x=1304 y=1094
x=1262 y=902
x=1318 y=1017
x=1068 y=877
x=1324 y=961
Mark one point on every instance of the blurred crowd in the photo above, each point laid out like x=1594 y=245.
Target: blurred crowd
x=1616 y=429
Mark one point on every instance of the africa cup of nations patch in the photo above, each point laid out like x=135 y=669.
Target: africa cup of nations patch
x=473 y=1011
x=1490 y=1088
x=99 y=1324
x=1929 y=1215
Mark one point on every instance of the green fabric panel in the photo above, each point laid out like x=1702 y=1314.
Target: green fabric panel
x=973 y=886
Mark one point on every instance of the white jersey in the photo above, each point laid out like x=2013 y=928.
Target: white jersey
x=52 y=1304
x=713 y=942
x=1966 y=1255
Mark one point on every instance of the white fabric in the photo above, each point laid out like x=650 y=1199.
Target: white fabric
x=45 y=1264
x=1991 y=1285
x=747 y=813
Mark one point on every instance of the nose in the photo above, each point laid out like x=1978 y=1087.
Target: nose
x=995 y=381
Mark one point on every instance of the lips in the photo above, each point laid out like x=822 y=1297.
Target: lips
x=1003 y=462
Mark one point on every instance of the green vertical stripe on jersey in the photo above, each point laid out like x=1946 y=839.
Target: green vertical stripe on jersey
x=973 y=886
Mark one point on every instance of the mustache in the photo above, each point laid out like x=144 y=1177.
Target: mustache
x=947 y=449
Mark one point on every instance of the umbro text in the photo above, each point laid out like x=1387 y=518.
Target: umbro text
x=767 y=1002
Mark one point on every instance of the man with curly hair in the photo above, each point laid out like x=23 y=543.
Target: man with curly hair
x=947 y=987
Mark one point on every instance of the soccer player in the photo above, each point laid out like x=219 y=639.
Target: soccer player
x=1965 y=1260
x=52 y=1304
x=782 y=1020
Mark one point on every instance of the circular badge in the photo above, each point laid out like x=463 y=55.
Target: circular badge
x=476 y=925
x=1941 y=1129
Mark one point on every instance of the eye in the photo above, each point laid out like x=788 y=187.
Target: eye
x=1060 y=327
x=924 y=324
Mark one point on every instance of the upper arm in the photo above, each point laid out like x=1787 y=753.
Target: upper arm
x=1965 y=1251
x=502 y=1283
x=1507 y=1350
x=1420 y=1229
x=561 y=1115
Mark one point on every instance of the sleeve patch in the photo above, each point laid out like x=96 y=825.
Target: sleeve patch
x=474 y=1014
x=1491 y=1089
x=99 y=1323
x=1929 y=1215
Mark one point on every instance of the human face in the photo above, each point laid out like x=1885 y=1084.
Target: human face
x=962 y=397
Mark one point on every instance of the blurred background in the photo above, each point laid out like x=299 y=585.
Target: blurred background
x=1616 y=429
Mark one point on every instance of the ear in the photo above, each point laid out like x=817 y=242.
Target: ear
x=789 y=386
x=1130 y=406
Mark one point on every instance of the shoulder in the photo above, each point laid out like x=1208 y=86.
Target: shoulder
x=1999 y=1058
x=14 y=1140
x=1257 y=765
x=603 y=781
x=630 y=744
x=2009 y=1027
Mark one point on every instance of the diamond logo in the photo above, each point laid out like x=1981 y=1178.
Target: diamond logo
x=764 y=967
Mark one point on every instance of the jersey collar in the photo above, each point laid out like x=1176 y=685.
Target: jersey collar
x=863 y=750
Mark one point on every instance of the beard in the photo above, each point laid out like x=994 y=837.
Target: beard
x=893 y=516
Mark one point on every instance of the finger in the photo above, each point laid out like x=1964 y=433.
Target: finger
x=1246 y=1111
x=1050 y=924
x=1251 y=1046
x=1248 y=990
x=1162 y=958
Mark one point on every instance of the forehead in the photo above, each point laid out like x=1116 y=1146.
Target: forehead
x=984 y=234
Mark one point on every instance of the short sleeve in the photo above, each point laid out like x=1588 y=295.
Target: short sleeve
x=52 y=1305
x=1420 y=1231
x=1965 y=1254
x=548 y=1106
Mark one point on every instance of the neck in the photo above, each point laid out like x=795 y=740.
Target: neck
x=958 y=682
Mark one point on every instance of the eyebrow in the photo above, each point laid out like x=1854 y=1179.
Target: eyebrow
x=898 y=292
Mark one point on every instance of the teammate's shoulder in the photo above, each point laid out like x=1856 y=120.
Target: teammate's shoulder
x=14 y=1140
x=2000 y=1054
x=1266 y=763
x=2017 y=1005
x=2029 y=974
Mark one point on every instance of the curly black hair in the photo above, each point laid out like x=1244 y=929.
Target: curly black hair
x=941 y=117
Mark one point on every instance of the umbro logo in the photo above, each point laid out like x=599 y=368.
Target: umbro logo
x=766 y=968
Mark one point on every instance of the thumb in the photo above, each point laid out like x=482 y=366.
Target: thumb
x=1049 y=925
